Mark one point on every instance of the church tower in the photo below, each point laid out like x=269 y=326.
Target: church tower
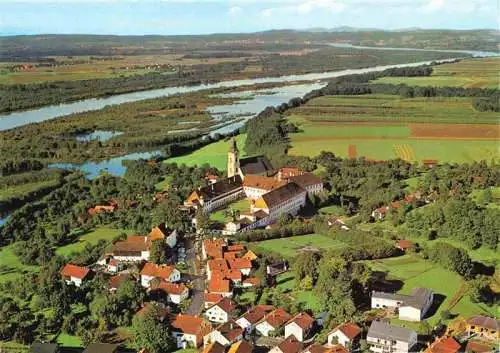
x=233 y=160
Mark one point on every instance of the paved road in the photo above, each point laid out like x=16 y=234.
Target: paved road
x=198 y=278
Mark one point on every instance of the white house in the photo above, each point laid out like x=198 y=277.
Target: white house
x=272 y=322
x=345 y=335
x=410 y=307
x=176 y=292
x=299 y=326
x=221 y=312
x=227 y=333
x=114 y=266
x=167 y=273
x=249 y=319
x=383 y=337
x=190 y=330
x=74 y=274
x=241 y=264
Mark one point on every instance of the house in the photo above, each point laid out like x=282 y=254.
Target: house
x=250 y=255
x=240 y=347
x=288 y=199
x=252 y=317
x=213 y=248
x=404 y=245
x=272 y=322
x=317 y=348
x=383 y=337
x=75 y=274
x=478 y=346
x=227 y=333
x=214 y=347
x=484 y=327
x=190 y=330
x=176 y=292
x=443 y=345
x=216 y=267
x=39 y=347
x=288 y=345
x=116 y=281
x=346 y=335
x=216 y=195
x=211 y=299
x=161 y=233
x=379 y=213
x=300 y=326
x=241 y=264
x=308 y=181
x=166 y=273
x=411 y=307
x=277 y=268
x=221 y=312
x=161 y=311
x=101 y=348
x=133 y=249
x=251 y=282
x=220 y=286
x=102 y=209
x=114 y=266
x=255 y=186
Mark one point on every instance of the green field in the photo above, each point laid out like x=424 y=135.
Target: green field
x=67 y=340
x=26 y=189
x=242 y=206
x=288 y=247
x=10 y=266
x=214 y=154
x=382 y=127
x=286 y=283
x=481 y=73
x=416 y=272
x=93 y=237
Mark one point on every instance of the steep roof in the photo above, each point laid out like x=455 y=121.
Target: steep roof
x=484 y=321
x=262 y=182
x=226 y=305
x=382 y=330
x=161 y=311
x=303 y=320
x=212 y=297
x=230 y=330
x=132 y=243
x=306 y=179
x=214 y=347
x=255 y=165
x=277 y=318
x=241 y=347
x=220 y=187
x=191 y=325
x=170 y=288
x=254 y=281
x=418 y=298
x=240 y=264
x=159 y=271
x=255 y=314
x=250 y=255
x=281 y=194
x=159 y=232
x=444 y=345
x=290 y=345
x=116 y=281
x=218 y=285
x=350 y=330
x=214 y=247
x=70 y=270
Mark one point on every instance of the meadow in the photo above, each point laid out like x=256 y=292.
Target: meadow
x=290 y=247
x=416 y=272
x=106 y=234
x=10 y=266
x=472 y=73
x=214 y=154
x=381 y=127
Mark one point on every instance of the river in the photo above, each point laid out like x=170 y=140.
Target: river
x=252 y=102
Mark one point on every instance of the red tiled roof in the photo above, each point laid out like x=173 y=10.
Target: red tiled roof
x=226 y=305
x=404 y=244
x=116 y=281
x=214 y=247
x=233 y=275
x=241 y=347
x=219 y=285
x=254 y=281
x=290 y=345
x=170 y=288
x=191 y=325
x=75 y=271
x=444 y=345
x=277 y=318
x=231 y=255
x=349 y=329
x=303 y=320
x=113 y=262
x=159 y=271
x=306 y=179
x=484 y=321
x=317 y=348
x=288 y=172
x=132 y=243
x=255 y=314
x=217 y=265
x=240 y=264
x=236 y=247
x=262 y=182
x=212 y=297
x=230 y=330
x=338 y=348
x=158 y=233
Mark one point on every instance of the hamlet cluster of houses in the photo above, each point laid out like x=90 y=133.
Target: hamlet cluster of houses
x=271 y=192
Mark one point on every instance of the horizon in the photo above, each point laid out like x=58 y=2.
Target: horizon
x=204 y=17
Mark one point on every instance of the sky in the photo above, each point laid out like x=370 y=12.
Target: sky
x=219 y=16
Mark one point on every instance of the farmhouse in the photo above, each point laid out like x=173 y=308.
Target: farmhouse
x=272 y=322
x=166 y=273
x=484 y=326
x=346 y=335
x=411 y=307
x=221 y=312
x=216 y=195
x=74 y=274
x=241 y=264
x=383 y=337
x=227 y=333
x=133 y=249
x=299 y=326
x=189 y=329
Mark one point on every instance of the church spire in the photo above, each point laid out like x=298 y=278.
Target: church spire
x=233 y=159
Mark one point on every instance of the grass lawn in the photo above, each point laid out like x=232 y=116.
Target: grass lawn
x=286 y=283
x=333 y=210
x=242 y=206
x=92 y=238
x=416 y=272
x=288 y=247
x=481 y=73
x=10 y=266
x=66 y=340
x=25 y=189
x=214 y=154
